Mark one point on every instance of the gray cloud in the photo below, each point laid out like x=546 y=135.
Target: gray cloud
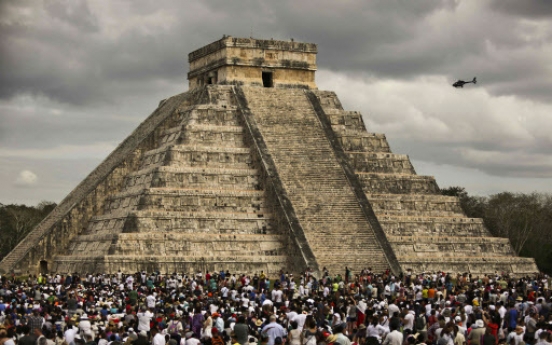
x=76 y=77
x=528 y=8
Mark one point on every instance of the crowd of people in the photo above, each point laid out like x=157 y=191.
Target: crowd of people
x=224 y=308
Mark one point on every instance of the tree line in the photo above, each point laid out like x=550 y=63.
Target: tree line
x=525 y=219
x=16 y=221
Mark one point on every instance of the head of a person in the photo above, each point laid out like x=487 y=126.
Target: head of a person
x=272 y=318
x=339 y=328
x=375 y=320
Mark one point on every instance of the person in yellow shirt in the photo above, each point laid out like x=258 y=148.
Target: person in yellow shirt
x=425 y=293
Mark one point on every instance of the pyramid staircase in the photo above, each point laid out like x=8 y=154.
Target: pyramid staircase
x=195 y=201
x=248 y=178
x=428 y=231
x=333 y=222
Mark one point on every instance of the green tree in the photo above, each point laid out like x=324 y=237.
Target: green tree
x=525 y=219
x=473 y=206
x=17 y=221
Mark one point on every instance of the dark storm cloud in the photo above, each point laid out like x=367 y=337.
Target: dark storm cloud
x=65 y=51
x=529 y=8
x=76 y=13
x=62 y=53
x=83 y=74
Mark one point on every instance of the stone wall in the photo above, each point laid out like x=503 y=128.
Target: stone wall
x=195 y=200
x=71 y=216
x=242 y=61
x=252 y=178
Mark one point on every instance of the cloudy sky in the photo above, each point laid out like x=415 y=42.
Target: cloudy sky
x=77 y=76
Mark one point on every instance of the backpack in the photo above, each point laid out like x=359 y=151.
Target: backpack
x=419 y=323
x=173 y=327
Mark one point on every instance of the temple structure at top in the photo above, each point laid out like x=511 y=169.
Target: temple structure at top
x=245 y=61
x=254 y=168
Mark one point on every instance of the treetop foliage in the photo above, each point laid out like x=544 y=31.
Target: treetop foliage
x=525 y=219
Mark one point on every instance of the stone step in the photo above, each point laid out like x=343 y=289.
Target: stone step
x=434 y=226
x=431 y=205
x=365 y=142
x=473 y=264
x=186 y=177
x=210 y=158
x=212 y=135
x=378 y=162
x=452 y=250
x=283 y=131
x=328 y=100
x=380 y=212
x=358 y=245
x=184 y=263
x=447 y=239
x=200 y=224
x=139 y=198
x=397 y=183
x=197 y=244
x=224 y=201
x=343 y=119
x=216 y=116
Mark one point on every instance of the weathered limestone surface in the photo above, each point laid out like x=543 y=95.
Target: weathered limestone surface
x=259 y=171
x=336 y=228
x=233 y=60
x=194 y=198
x=428 y=231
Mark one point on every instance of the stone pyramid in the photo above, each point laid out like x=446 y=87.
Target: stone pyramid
x=254 y=169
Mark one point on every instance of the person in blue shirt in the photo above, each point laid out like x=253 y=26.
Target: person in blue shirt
x=273 y=330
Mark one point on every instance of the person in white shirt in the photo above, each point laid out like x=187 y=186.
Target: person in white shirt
x=408 y=321
x=224 y=291
x=245 y=301
x=130 y=282
x=150 y=301
x=70 y=334
x=326 y=292
x=375 y=330
x=144 y=319
x=84 y=324
x=300 y=319
x=393 y=338
x=190 y=339
x=277 y=296
x=158 y=338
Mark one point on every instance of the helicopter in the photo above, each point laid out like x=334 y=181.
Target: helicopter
x=461 y=83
